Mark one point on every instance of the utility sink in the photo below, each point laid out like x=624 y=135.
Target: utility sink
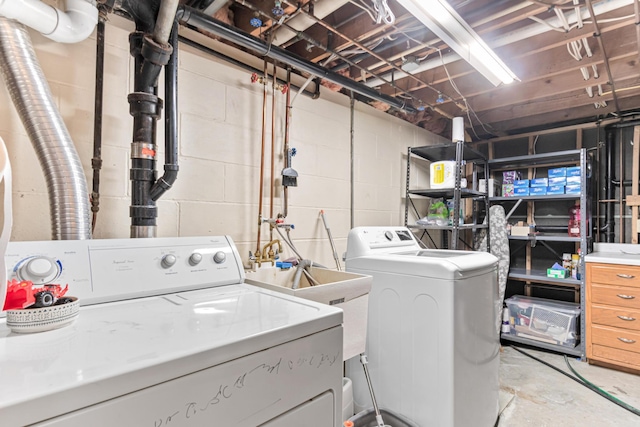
x=349 y=291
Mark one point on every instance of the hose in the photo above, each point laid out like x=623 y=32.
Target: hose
x=582 y=381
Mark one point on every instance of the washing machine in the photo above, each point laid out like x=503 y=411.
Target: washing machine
x=432 y=341
x=168 y=335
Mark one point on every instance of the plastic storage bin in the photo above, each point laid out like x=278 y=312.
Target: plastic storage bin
x=367 y=418
x=539 y=319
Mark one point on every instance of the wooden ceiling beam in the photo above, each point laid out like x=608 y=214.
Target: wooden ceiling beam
x=560 y=104
x=586 y=113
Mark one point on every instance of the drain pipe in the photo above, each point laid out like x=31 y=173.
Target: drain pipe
x=151 y=53
x=73 y=25
x=66 y=182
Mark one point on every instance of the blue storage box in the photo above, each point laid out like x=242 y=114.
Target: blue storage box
x=573 y=180
x=555 y=189
x=538 y=191
x=573 y=171
x=521 y=191
x=521 y=183
x=539 y=182
x=557 y=172
x=558 y=180
x=572 y=189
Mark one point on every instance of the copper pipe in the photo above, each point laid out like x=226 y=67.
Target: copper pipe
x=264 y=126
x=287 y=110
x=273 y=145
x=598 y=36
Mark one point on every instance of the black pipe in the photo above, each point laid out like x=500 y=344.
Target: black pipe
x=240 y=64
x=170 y=121
x=96 y=160
x=190 y=16
x=361 y=56
x=609 y=213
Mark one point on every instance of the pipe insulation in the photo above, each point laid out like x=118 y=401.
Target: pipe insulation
x=63 y=173
x=73 y=25
x=190 y=16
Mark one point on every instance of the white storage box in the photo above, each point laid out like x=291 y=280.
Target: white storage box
x=550 y=321
x=349 y=291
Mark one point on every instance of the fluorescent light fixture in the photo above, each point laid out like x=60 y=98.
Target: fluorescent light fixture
x=439 y=17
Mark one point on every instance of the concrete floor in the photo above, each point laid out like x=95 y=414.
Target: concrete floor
x=533 y=394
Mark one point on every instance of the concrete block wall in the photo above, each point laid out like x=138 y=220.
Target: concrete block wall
x=220 y=135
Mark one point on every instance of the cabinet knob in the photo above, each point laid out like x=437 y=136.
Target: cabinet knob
x=627 y=318
x=625 y=296
x=625 y=276
x=627 y=340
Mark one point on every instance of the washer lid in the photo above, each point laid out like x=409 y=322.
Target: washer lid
x=121 y=347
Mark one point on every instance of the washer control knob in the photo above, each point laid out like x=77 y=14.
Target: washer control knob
x=39 y=270
x=388 y=235
x=219 y=257
x=168 y=261
x=195 y=258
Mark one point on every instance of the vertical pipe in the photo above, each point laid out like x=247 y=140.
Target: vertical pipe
x=262 y=146
x=273 y=146
x=609 y=225
x=96 y=161
x=286 y=138
x=621 y=190
x=352 y=144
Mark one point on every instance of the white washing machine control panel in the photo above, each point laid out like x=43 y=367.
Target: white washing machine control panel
x=369 y=240
x=117 y=269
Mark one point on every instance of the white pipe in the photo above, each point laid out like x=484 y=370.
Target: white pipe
x=73 y=25
x=164 y=23
x=302 y=22
x=512 y=37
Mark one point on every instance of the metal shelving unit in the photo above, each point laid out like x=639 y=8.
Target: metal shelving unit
x=561 y=158
x=461 y=153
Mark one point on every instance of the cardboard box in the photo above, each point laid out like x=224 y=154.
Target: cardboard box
x=521 y=229
x=538 y=191
x=521 y=183
x=573 y=171
x=539 y=182
x=559 y=180
x=555 y=322
x=507 y=190
x=521 y=191
x=508 y=177
x=349 y=291
x=574 y=180
x=572 y=189
x=494 y=187
x=557 y=172
x=557 y=273
x=556 y=189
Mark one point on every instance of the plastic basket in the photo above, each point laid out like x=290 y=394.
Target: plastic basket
x=552 y=323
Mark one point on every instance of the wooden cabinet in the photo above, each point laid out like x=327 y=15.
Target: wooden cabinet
x=613 y=315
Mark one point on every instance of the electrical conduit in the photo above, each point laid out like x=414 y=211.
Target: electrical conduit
x=66 y=182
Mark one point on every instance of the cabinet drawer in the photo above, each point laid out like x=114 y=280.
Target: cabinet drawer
x=616 y=317
x=618 y=296
x=616 y=338
x=624 y=358
x=622 y=275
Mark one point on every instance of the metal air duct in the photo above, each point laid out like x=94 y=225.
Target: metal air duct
x=66 y=182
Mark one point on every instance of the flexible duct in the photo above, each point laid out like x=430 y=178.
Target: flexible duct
x=66 y=182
